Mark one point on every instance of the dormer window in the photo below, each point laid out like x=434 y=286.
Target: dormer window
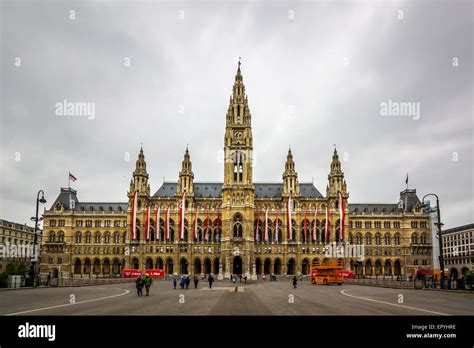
x=58 y=206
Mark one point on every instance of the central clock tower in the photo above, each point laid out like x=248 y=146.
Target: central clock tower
x=238 y=190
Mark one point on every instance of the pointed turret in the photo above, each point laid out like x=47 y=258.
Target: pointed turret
x=140 y=176
x=336 y=181
x=290 y=177
x=186 y=176
x=238 y=113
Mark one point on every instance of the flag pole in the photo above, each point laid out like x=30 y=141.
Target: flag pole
x=68 y=180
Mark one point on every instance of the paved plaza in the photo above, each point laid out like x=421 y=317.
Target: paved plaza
x=225 y=298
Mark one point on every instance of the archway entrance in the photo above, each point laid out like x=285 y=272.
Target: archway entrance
x=77 y=267
x=258 y=265
x=237 y=265
x=305 y=267
x=183 y=266
x=207 y=266
x=291 y=267
x=197 y=266
x=267 y=266
x=277 y=266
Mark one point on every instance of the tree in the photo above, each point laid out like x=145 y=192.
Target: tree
x=469 y=277
x=16 y=267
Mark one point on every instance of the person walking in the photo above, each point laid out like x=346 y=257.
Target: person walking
x=245 y=279
x=196 y=281
x=174 y=282
x=182 y=282
x=188 y=280
x=148 y=281
x=139 y=285
x=210 y=279
x=295 y=281
x=240 y=277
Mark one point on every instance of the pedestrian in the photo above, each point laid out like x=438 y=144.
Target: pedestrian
x=240 y=276
x=295 y=281
x=301 y=277
x=231 y=278
x=174 y=282
x=148 y=281
x=196 y=281
x=188 y=280
x=139 y=285
x=182 y=282
x=245 y=279
x=210 y=279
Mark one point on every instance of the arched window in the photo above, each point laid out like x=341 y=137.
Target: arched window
x=396 y=239
x=116 y=237
x=414 y=238
x=358 y=239
x=78 y=237
x=238 y=160
x=107 y=238
x=423 y=238
x=368 y=239
x=278 y=235
x=387 y=240
x=97 y=238
x=237 y=226
x=61 y=236
x=52 y=236
x=378 y=239
x=88 y=238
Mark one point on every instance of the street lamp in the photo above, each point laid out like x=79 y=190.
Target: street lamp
x=440 y=239
x=32 y=271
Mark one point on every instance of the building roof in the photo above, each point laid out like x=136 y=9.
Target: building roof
x=17 y=226
x=68 y=195
x=459 y=229
x=214 y=190
x=374 y=208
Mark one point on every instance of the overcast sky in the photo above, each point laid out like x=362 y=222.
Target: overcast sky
x=316 y=74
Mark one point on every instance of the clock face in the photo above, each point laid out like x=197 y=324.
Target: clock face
x=238 y=135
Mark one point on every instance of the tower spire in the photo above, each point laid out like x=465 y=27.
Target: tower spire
x=290 y=176
x=186 y=175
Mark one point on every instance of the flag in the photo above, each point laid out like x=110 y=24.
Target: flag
x=181 y=217
x=314 y=227
x=288 y=218
x=276 y=227
x=134 y=215
x=157 y=223
x=265 y=228
x=207 y=225
x=217 y=226
x=72 y=177
x=342 y=214
x=167 y=224
x=196 y=224
x=305 y=229
x=328 y=225
x=147 y=224
x=256 y=236
x=406 y=181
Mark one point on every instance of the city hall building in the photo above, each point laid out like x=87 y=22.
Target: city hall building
x=236 y=226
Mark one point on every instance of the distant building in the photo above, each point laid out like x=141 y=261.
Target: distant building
x=458 y=249
x=16 y=241
x=236 y=226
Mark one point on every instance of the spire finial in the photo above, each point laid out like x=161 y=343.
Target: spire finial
x=239 y=61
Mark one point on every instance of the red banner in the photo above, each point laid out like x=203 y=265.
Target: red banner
x=134 y=273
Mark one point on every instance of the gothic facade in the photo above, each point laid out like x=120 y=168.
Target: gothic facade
x=236 y=226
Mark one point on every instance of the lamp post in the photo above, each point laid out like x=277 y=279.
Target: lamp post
x=440 y=239
x=32 y=271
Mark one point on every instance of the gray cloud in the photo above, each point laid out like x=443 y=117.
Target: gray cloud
x=300 y=93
